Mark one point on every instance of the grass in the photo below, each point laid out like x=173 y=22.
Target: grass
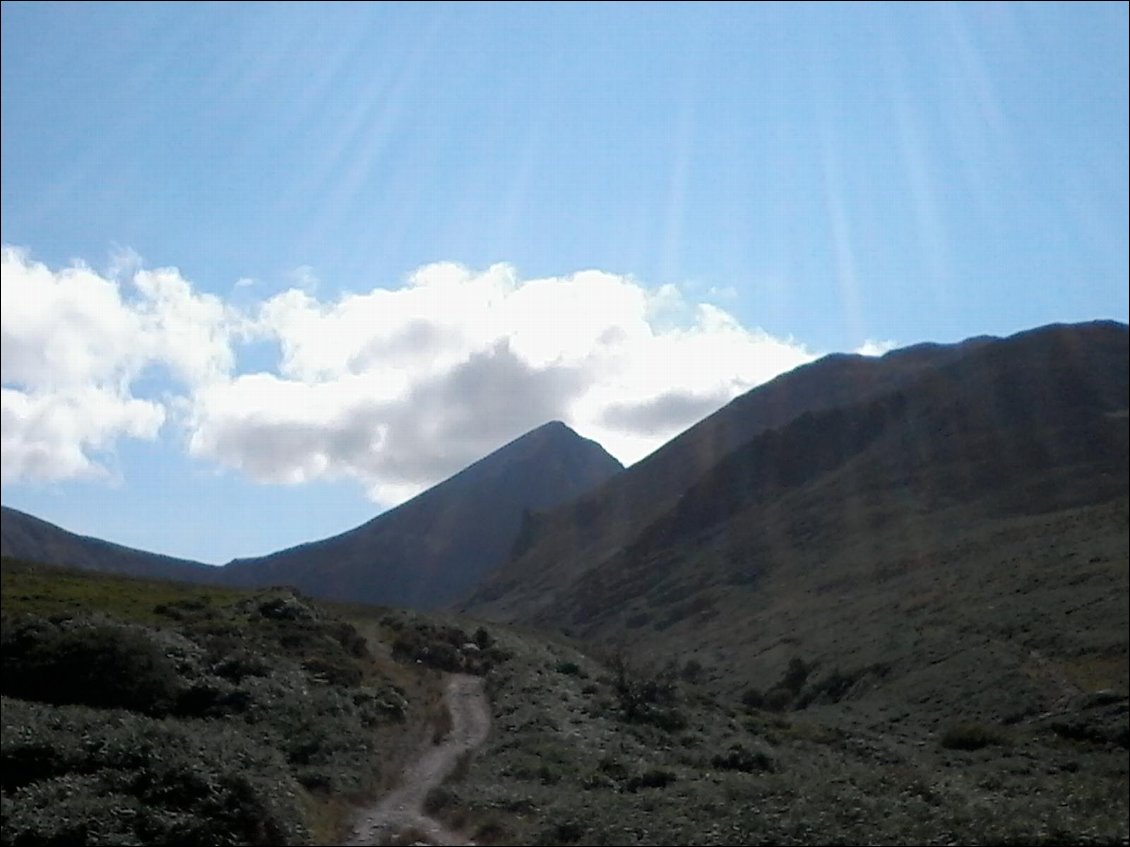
x=291 y=723
x=51 y=592
x=563 y=765
x=124 y=694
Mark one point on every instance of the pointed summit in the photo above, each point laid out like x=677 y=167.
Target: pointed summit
x=434 y=548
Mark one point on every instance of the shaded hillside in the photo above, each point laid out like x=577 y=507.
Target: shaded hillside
x=423 y=554
x=23 y=536
x=437 y=546
x=954 y=547
x=562 y=544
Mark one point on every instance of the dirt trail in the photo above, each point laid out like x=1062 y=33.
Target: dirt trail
x=398 y=817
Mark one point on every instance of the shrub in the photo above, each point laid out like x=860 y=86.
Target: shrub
x=207 y=699
x=740 y=758
x=103 y=666
x=692 y=671
x=566 y=832
x=483 y=638
x=335 y=672
x=777 y=699
x=639 y=693
x=795 y=676
x=443 y=656
x=654 y=778
x=669 y=719
x=753 y=698
x=438 y=799
x=75 y=775
x=240 y=664
x=350 y=639
x=971 y=736
x=830 y=689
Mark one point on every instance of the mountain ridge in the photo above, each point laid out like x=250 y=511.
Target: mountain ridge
x=944 y=532
x=650 y=487
x=533 y=471
x=428 y=550
x=25 y=536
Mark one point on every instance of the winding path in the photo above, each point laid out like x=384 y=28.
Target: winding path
x=399 y=815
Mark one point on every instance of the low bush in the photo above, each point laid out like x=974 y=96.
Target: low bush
x=96 y=665
x=654 y=778
x=77 y=775
x=972 y=736
x=741 y=758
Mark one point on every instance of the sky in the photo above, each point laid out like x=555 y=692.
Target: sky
x=269 y=269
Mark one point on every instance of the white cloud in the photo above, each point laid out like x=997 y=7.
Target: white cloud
x=66 y=329
x=73 y=344
x=398 y=388
x=870 y=347
x=395 y=388
x=186 y=331
x=304 y=277
x=52 y=436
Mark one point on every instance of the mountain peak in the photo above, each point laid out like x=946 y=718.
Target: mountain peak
x=429 y=550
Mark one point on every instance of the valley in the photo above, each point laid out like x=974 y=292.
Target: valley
x=876 y=600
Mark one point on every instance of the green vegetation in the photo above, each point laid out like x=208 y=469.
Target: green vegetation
x=575 y=759
x=139 y=712
x=444 y=647
x=972 y=735
x=148 y=713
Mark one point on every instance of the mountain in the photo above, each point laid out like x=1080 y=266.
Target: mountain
x=948 y=536
x=434 y=548
x=561 y=545
x=425 y=553
x=25 y=537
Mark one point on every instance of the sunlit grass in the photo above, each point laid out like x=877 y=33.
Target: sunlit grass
x=50 y=591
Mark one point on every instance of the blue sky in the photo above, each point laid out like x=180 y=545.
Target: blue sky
x=271 y=268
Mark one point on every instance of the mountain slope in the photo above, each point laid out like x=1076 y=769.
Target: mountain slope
x=139 y=711
x=561 y=545
x=957 y=543
x=564 y=544
x=434 y=548
x=23 y=536
x=423 y=554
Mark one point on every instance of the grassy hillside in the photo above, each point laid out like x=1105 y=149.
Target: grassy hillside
x=141 y=712
x=600 y=750
x=155 y=713
x=956 y=548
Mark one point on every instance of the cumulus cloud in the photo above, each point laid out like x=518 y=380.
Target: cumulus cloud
x=394 y=387
x=399 y=388
x=661 y=414
x=870 y=347
x=73 y=343
x=52 y=435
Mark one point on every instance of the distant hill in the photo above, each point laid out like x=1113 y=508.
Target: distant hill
x=952 y=537
x=423 y=554
x=25 y=537
x=433 y=549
